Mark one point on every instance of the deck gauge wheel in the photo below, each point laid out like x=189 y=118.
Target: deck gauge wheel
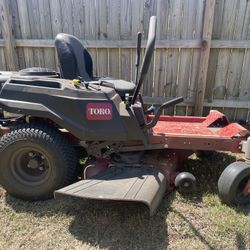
x=234 y=184
x=185 y=182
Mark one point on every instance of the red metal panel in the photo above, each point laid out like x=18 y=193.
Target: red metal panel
x=199 y=127
x=233 y=129
x=181 y=128
x=178 y=118
x=197 y=142
x=178 y=133
x=215 y=117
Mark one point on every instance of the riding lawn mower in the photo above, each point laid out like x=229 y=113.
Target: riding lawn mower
x=134 y=154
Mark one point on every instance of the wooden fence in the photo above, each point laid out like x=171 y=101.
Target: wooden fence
x=202 y=49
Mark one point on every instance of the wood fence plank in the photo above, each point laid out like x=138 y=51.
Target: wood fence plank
x=2 y=60
x=56 y=19
x=228 y=24
x=236 y=59
x=102 y=20
x=161 y=54
x=7 y=27
x=67 y=20
x=17 y=32
x=137 y=26
x=185 y=60
x=137 y=8
x=150 y=9
x=126 y=33
x=213 y=57
x=25 y=31
x=2 y=57
x=174 y=33
x=244 y=88
x=113 y=31
x=90 y=29
x=230 y=44
x=187 y=102
x=204 y=58
x=131 y=44
x=198 y=28
x=56 y=23
x=78 y=15
x=112 y=44
x=46 y=33
x=35 y=30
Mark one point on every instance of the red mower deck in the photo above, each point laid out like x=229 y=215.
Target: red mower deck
x=213 y=132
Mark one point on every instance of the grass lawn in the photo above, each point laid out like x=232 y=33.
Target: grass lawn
x=198 y=221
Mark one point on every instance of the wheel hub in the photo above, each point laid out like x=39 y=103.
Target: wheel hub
x=33 y=163
x=246 y=190
x=30 y=166
x=186 y=184
x=36 y=161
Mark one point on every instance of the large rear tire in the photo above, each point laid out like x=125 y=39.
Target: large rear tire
x=35 y=160
x=232 y=184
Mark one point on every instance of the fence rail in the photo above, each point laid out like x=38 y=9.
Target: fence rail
x=202 y=50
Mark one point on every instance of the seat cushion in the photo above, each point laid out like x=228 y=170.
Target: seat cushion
x=121 y=86
x=73 y=58
x=37 y=71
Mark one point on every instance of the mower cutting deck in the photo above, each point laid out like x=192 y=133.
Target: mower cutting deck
x=135 y=184
x=131 y=154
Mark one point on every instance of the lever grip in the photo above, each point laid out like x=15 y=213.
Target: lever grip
x=171 y=103
x=163 y=106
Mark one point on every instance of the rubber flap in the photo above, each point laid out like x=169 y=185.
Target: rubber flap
x=142 y=184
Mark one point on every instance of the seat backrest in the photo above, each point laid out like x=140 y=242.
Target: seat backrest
x=74 y=59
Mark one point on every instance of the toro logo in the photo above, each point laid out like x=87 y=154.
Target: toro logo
x=99 y=111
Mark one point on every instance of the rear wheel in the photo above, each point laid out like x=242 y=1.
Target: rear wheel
x=35 y=161
x=234 y=184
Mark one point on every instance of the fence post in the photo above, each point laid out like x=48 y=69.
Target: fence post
x=204 y=57
x=7 y=28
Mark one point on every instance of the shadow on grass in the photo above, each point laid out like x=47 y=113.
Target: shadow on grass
x=112 y=225
x=194 y=230
x=240 y=242
x=207 y=171
x=124 y=226
x=115 y=225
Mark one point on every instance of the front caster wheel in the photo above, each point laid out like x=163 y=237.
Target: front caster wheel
x=234 y=184
x=185 y=182
x=35 y=160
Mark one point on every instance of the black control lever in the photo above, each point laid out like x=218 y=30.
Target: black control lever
x=150 y=110
x=167 y=104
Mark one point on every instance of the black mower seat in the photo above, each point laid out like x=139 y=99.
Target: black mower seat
x=122 y=87
x=75 y=61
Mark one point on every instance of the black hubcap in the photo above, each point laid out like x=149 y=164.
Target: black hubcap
x=242 y=198
x=30 y=166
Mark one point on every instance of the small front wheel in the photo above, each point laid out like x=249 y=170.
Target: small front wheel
x=234 y=184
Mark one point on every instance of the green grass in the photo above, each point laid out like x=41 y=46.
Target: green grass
x=197 y=221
